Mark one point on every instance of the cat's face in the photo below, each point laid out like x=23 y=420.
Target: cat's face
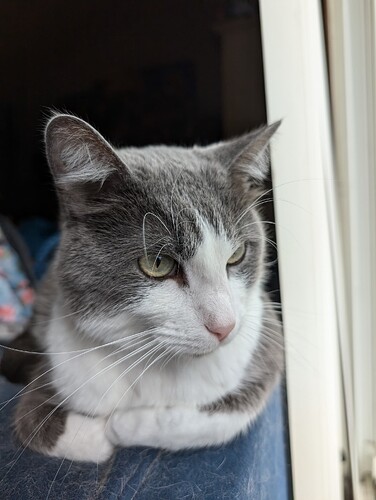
x=158 y=239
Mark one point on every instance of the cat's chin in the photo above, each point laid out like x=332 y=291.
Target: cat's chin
x=200 y=353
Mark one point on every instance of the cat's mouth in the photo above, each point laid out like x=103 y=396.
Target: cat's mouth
x=192 y=351
x=202 y=351
x=211 y=350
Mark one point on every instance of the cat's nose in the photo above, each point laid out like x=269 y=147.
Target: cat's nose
x=221 y=330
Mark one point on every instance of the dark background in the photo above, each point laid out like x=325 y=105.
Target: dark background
x=142 y=72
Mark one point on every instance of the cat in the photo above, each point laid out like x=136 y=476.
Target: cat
x=152 y=321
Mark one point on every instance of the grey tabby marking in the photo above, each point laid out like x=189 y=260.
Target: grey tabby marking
x=38 y=421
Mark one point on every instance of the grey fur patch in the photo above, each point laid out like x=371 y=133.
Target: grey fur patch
x=264 y=372
x=38 y=421
x=20 y=359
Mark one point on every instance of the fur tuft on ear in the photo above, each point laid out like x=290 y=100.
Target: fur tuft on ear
x=246 y=157
x=251 y=166
x=77 y=153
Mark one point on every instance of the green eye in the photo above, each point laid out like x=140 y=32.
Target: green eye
x=157 y=266
x=237 y=256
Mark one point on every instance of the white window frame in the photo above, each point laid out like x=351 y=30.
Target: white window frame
x=351 y=27
x=304 y=194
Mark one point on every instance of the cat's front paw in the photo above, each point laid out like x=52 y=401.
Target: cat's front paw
x=152 y=427
x=123 y=427
x=84 y=439
x=134 y=427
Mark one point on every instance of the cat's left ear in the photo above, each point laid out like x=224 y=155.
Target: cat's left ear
x=77 y=153
x=246 y=157
x=83 y=164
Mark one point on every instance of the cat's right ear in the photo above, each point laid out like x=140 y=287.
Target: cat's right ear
x=246 y=157
x=80 y=159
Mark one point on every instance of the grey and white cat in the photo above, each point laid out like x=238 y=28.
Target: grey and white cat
x=154 y=324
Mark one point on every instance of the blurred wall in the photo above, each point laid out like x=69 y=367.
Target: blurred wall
x=141 y=71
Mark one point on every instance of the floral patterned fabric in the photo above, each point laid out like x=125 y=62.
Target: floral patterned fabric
x=16 y=293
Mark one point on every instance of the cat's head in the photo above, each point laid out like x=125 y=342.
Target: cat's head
x=160 y=239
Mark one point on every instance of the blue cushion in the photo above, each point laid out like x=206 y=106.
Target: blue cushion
x=253 y=467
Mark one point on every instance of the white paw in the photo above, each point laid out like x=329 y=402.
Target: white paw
x=83 y=439
x=124 y=427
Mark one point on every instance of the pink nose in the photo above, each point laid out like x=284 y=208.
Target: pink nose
x=221 y=331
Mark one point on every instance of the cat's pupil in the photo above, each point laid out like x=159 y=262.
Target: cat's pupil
x=158 y=261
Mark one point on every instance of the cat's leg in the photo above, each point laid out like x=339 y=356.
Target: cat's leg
x=175 y=428
x=49 y=429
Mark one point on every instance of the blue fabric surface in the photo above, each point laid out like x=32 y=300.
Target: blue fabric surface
x=42 y=238
x=252 y=467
